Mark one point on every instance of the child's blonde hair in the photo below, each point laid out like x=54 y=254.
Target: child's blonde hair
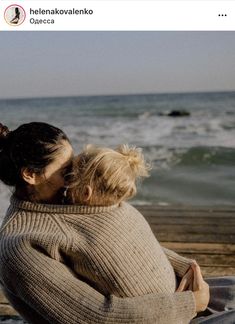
x=110 y=173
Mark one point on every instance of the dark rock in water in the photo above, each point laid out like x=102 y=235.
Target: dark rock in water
x=178 y=113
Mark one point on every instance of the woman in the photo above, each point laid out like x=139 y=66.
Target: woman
x=36 y=244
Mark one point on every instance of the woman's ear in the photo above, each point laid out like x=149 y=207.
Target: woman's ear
x=87 y=193
x=30 y=177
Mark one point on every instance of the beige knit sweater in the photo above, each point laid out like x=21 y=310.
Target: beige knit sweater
x=71 y=264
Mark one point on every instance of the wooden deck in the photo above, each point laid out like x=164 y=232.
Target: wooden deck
x=206 y=234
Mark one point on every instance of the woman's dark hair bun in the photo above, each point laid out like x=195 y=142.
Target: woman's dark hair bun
x=4 y=132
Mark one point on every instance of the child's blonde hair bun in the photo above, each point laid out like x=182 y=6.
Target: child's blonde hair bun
x=136 y=160
x=111 y=174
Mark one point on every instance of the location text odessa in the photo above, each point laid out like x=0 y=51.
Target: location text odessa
x=41 y=21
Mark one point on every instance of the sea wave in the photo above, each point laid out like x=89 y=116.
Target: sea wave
x=199 y=156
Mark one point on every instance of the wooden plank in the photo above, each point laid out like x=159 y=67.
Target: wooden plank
x=227 y=208
x=7 y=310
x=217 y=271
x=185 y=220
x=193 y=229
x=194 y=212
x=195 y=238
x=3 y=299
x=218 y=260
x=191 y=214
x=212 y=248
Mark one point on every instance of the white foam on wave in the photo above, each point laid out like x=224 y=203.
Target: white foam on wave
x=163 y=157
x=155 y=130
x=162 y=203
x=115 y=131
x=139 y=202
x=201 y=132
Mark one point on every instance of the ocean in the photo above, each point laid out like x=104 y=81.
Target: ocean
x=192 y=157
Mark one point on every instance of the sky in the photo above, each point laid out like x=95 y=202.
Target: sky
x=49 y=64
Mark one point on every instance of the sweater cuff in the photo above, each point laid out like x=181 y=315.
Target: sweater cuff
x=185 y=306
x=179 y=307
x=179 y=263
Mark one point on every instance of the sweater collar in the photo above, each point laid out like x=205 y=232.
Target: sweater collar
x=63 y=209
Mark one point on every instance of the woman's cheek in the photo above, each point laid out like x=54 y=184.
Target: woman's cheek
x=56 y=180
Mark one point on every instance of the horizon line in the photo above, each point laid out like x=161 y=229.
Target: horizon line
x=119 y=94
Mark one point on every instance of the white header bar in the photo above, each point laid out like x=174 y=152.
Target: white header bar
x=128 y=15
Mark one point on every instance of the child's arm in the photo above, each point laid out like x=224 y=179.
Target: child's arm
x=179 y=263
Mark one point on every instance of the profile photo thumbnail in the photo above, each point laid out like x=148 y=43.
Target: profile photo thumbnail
x=14 y=15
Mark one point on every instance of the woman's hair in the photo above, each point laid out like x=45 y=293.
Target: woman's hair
x=112 y=174
x=32 y=146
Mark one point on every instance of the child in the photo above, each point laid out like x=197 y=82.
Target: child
x=102 y=176
x=120 y=254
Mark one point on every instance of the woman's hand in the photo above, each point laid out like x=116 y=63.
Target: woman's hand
x=186 y=282
x=200 y=289
x=193 y=280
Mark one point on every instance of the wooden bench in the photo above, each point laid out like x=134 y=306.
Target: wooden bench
x=206 y=234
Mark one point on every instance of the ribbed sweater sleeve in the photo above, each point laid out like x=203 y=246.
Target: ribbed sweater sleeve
x=179 y=263
x=35 y=250
x=51 y=289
